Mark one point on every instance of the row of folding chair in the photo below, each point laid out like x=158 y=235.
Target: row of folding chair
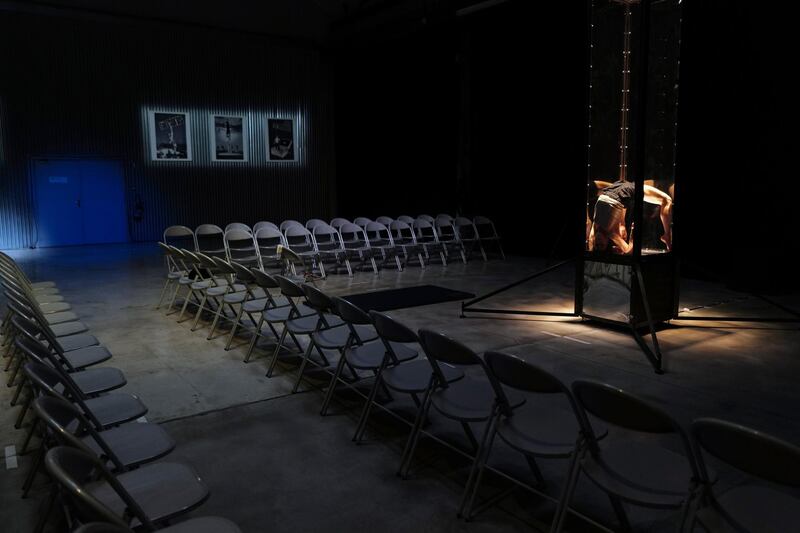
x=389 y=240
x=94 y=442
x=499 y=395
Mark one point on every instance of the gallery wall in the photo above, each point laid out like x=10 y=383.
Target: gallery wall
x=81 y=87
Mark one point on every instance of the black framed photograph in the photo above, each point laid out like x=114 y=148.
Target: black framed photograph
x=229 y=137
x=169 y=136
x=280 y=137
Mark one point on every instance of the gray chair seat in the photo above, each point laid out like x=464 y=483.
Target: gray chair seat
x=281 y=314
x=255 y=306
x=54 y=307
x=134 y=444
x=115 y=408
x=185 y=280
x=303 y=325
x=76 y=342
x=68 y=328
x=470 y=400
x=42 y=299
x=640 y=472
x=541 y=430
x=39 y=285
x=96 y=380
x=753 y=508
x=235 y=297
x=176 y=274
x=369 y=356
x=88 y=356
x=224 y=289
x=60 y=317
x=163 y=490
x=336 y=337
x=414 y=376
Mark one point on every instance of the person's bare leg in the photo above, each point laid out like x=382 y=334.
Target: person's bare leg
x=666 y=221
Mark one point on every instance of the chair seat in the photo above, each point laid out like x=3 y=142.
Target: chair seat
x=76 y=342
x=303 y=325
x=235 y=297
x=88 y=356
x=116 y=408
x=336 y=337
x=42 y=285
x=205 y=524
x=255 y=306
x=176 y=275
x=163 y=490
x=134 y=444
x=753 y=508
x=470 y=400
x=415 y=376
x=641 y=473
x=46 y=298
x=369 y=356
x=200 y=285
x=68 y=328
x=541 y=431
x=60 y=317
x=54 y=307
x=99 y=379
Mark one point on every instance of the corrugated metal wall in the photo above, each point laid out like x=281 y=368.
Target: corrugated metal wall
x=82 y=88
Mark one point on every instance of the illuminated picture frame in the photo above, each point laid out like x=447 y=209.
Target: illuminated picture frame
x=281 y=139
x=170 y=137
x=229 y=135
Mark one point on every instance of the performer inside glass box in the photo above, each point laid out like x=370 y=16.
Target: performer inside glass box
x=607 y=230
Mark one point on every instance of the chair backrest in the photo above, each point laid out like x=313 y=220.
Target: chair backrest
x=74 y=470
x=313 y=223
x=445 y=216
x=289 y=288
x=241 y=246
x=179 y=236
x=426 y=218
x=384 y=220
x=748 y=450
x=299 y=239
x=441 y=348
x=238 y=226
x=209 y=239
x=337 y=222
x=405 y=218
x=621 y=408
x=402 y=231
x=390 y=329
x=264 y=280
x=268 y=239
x=242 y=273
x=361 y=221
x=224 y=267
x=264 y=224
x=378 y=234
x=317 y=299
x=484 y=227
x=465 y=228
x=350 y=313
x=327 y=238
x=354 y=235
x=445 y=228
x=289 y=223
x=425 y=230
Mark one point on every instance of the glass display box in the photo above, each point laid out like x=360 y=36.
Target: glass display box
x=629 y=272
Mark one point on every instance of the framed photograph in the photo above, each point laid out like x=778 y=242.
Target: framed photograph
x=280 y=138
x=169 y=136
x=229 y=137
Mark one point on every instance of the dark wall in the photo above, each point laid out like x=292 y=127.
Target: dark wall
x=81 y=87
x=737 y=189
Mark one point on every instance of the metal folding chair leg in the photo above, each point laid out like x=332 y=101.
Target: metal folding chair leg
x=235 y=326
x=413 y=439
x=362 y=421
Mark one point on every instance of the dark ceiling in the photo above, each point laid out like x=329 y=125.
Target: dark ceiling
x=318 y=21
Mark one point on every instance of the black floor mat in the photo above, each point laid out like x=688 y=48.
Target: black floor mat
x=406 y=297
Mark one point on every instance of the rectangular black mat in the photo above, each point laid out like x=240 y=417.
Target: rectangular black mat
x=406 y=297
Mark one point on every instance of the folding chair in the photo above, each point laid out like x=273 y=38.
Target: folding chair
x=174 y=271
x=264 y=224
x=300 y=241
x=398 y=369
x=337 y=222
x=210 y=240
x=748 y=507
x=268 y=239
x=289 y=223
x=329 y=245
x=467 y=401
x=241 y=247
x=536 y=430
x=356 y=244
x=386 y=221
x=361 y=221
x=428 y=239
x=468 y=236
x=407 y=219
x=379 y=238
x=151 y=494
x=487 y=233
x=405 y=239
x=427 y=218
x=639 y=471
x=313 y=223
x=447 y=235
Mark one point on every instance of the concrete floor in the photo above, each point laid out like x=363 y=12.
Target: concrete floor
x=273 y=464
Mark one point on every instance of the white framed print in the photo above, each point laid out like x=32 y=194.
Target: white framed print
x=280 y=139
x=229 y=137
x=169 y=136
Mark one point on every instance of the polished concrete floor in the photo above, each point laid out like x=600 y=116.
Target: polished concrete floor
x=273 y=464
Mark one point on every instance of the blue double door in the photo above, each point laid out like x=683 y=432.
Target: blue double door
x=79 y=202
